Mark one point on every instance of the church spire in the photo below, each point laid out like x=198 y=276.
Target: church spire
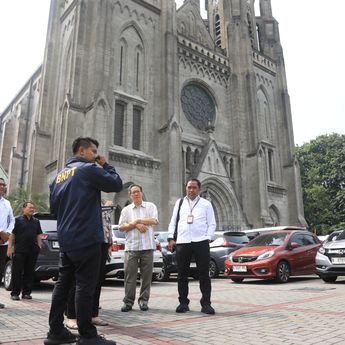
x=196 y=3
x=265 y=8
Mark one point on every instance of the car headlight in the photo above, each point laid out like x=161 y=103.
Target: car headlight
x=266 y=255
x=322 y=250
x=230 y=257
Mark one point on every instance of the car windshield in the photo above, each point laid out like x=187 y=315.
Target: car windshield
x=48 y=225
x=239 y=238
x=268 y=240
x=119 y=234
x=162 y=237
x=336 y=236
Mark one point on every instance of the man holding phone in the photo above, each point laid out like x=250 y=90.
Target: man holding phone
x=75 y=198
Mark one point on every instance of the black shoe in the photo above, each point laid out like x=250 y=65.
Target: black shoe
x=99 y=340
x=126 y=307
x=182 y=308
x=15 y=298
x=26 y=297
x=65 y=336
x=143 y=306
x=2 y=306
x=207 y=309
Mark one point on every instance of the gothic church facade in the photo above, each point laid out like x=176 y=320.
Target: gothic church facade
x=170 y=96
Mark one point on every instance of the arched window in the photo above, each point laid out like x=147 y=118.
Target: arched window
x=188 y=158
x=136 y=137
x=270 y=165
x=119 y=123
x=231 y=168
x=217 y=30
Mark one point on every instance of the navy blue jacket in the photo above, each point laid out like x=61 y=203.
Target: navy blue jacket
x=75 y=198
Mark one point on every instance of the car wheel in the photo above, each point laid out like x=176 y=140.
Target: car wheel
x=213 y=269
x=8 y=276
x=331 y=279
x=283 y=272
x=164 y=275
x=237 y=280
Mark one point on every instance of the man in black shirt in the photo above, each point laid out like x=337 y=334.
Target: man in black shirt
x=23 y=247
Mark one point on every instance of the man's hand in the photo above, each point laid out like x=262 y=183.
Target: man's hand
x=142 y=228
x=4 y=236
x=9 y=252
x=171 y=245
x=101 y=160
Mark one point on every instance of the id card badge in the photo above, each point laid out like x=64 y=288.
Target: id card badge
x=190 y=219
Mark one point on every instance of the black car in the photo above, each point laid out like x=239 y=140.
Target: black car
x=220 y=248
x=47 y=264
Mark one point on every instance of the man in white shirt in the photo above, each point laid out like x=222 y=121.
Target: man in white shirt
x=137 y=219
x=6 y=227
x=191 y=232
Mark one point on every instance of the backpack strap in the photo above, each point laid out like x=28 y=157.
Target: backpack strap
x=177 y=219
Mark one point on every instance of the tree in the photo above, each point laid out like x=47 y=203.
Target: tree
x=322 y=162
x=20 y=195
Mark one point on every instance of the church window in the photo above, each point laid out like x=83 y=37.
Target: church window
x=231 y=168
x=136 y=128
x=137 y=71
x=119 y=123
x=121 y=64
x=258 y=37
x=198 y=106
x=270 y=165
x=217 y=31
x=188 y=158
x=196 y=156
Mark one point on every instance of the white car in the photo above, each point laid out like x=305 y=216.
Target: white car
x=115 y=267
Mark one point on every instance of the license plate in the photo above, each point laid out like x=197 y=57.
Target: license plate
x=192 y=264
x=239 y=268
x=338 y=261
x=55 y=245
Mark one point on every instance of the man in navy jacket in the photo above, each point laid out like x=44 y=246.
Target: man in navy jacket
x=75 y=198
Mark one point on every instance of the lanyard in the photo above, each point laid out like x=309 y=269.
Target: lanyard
x=192 y=208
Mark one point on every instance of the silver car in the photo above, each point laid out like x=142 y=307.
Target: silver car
x=330 y=259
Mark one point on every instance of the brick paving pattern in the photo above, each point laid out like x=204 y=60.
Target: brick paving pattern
x=304 y=311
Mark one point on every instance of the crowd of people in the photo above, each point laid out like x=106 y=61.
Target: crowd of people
x=85 y=238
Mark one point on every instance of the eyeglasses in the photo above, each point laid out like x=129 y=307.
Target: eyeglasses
x=136 y=192
x=3 y=184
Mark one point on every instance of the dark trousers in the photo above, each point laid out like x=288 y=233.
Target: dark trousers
x=201 y=253
x=81 y=266
x=3 y=256
x=70 y=308
x=23 y=265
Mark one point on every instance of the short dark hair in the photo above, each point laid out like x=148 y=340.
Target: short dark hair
x=134 y=185
x=195 y=180
x=25 y=203
x=85 y=142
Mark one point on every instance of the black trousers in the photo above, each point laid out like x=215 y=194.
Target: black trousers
x=3 y=256
x=201 y=253
x=70 y=308
x=81 y=266
x=23 y=265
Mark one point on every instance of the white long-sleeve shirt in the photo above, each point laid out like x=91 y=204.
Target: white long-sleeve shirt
x=204 y=222
x=6 y=216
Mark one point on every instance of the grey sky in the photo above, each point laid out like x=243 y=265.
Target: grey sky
x=311 y=33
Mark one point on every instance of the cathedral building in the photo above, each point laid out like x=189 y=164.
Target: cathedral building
x=170 y=96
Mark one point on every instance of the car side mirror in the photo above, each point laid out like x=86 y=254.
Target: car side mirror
x=293 y=245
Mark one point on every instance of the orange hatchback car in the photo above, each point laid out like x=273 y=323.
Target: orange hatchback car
x=274 y=255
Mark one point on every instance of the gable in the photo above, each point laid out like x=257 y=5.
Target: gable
x=190 y=24
x=211 y=161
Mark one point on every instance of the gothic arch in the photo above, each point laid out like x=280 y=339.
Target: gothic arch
x=264 y=113
x=275 y=215
x=227 y=209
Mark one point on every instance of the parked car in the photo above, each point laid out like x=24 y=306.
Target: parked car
x=169 y=259
x=47 y=264
x=115 y=267
x=275 y=255
x=220 y=248
x=330 y=259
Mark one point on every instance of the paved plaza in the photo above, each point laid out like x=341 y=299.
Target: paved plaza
x=304 y=311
